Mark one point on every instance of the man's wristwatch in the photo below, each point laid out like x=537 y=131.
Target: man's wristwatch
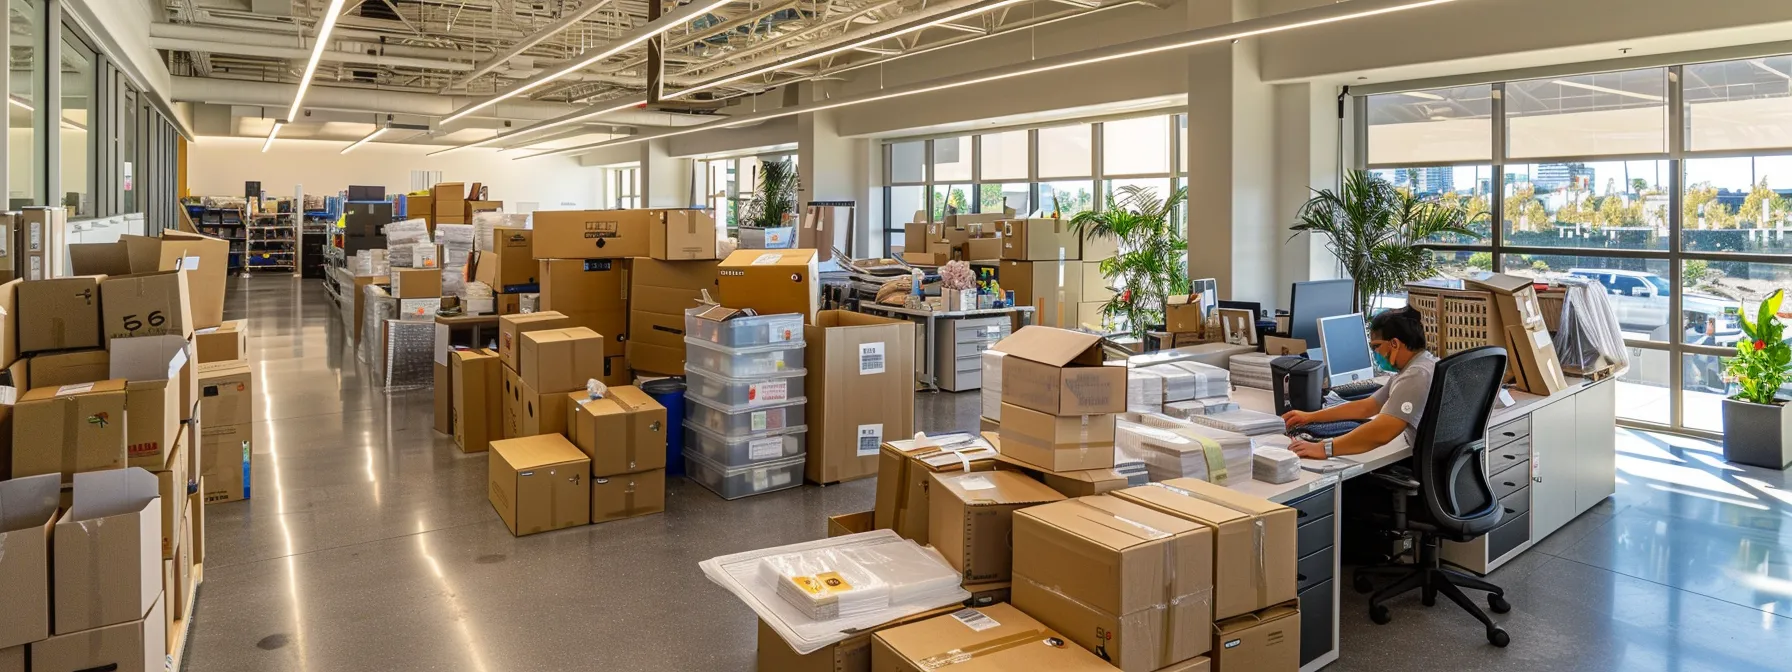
x=1328 y=447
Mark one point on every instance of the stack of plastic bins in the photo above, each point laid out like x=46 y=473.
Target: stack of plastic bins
x=744 y=431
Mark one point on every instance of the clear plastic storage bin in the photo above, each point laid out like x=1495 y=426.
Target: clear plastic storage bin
x=743 y=332
x=758 y=360
x=737 y=482
x=754 y=392
x=728 y=421
x=739 y=451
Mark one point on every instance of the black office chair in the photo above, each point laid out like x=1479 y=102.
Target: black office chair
x=1445 y=494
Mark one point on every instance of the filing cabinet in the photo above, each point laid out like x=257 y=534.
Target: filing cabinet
x=958 y=349
x=1315 y=567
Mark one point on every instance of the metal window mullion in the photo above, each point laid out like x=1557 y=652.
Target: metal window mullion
x=1098 y=164
x=1676 y=187
x=1497 y=199
x=976 y=195
x=47 y=120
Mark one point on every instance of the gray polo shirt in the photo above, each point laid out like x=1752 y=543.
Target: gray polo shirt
x=1404 y=396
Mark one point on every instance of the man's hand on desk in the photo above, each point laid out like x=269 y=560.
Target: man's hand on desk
x=1306 y=449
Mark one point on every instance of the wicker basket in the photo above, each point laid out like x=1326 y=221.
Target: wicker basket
x=1426 y=304
x=1550 y=302
x=1469 y=321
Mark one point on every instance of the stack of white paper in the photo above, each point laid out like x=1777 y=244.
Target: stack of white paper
x=1251 y=370
x=1192 y=407
x=1275 y=465
x=1144 y=391
x=992 y=385
x=1178 y=384
x=1243 y=421
x=1172 y=448
x=1210 y=381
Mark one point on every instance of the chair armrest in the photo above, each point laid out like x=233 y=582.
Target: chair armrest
x=1393 y=482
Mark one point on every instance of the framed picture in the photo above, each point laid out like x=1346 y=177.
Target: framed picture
x=1209 y=289
x=1239 y=325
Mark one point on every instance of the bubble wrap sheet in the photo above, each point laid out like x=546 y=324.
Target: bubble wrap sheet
x=484 y=222
x=376 y=309
x=410 y=354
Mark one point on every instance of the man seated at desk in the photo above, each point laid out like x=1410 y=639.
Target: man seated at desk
x=1397 y=338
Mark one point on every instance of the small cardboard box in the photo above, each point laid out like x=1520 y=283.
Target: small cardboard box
x=1060 y=372
x=477 y=398
x=925 y=258
x=226 y=455
x=539 y=483
x=1040 y=239
x=852 y=654
x=137 y=645
x=60 y=314
x=1267 y=640
x=531 y=412
x=627 y=495
x=560 y=360
x=205 y=257
x=69 y=367
x=683 y=235
x=448 y=198
x=903 y=477
x=945 y=249
x=1282 y=346
x=1057 y=442
x=981 y=249
x=584 y=285
x=157 y=377
x=1183 y=315
x=1053 y=287
x=70 y=429
x=511 y=267
x=1076 y=483
x=771 y=282
x=1119 y=579
x=416 y=283
x=227 y=393
x=1533 y=353
x=860 y=389
x=851 y=523
x=476 y=207
x=623 y=433
x=914 y=237
x=1004 y=637
x=171 y=486
x=150 y=304
x=1253 y=549
x=226 y=342
x=970 y=515
x=108 y=561
x=592 y=234
x=27 y=513
x=512 y=327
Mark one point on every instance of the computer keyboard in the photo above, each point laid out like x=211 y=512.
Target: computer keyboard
x=1357 y=390
x=1325 y=430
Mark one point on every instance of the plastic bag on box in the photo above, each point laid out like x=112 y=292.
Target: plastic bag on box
x=407 y=231
x=454 y=235
x=1589 y=337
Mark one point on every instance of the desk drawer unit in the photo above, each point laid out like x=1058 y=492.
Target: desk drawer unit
x=1509 y=432
x=1516 y=504
x=1317 y=615
x=1507 y=456
x=1512 y=485
x=1315 y=566
x=958 y=345
x=1508 y=536
x=1512 y=479
x=1311 y=570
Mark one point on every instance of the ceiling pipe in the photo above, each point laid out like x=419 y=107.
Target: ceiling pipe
x=266 y=33
x=323 y=97
x=572 y=18
x=296 y=53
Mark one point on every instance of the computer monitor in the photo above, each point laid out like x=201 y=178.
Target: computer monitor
x=1313 y=300
x=1345 y=339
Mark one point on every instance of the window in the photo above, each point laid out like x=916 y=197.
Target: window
x=1739 y=104
x=25 y=152
x=1737 y=204
x=1005 y=155
x=1136 y=147
x=1064 y=151
x=625 y=188
x=78 y=154
x=1587 y=115
x=1454 y=124
x=908 y=162
x=1596 y=204
x=127 y=148
x=952 y=159
x=1467 y=187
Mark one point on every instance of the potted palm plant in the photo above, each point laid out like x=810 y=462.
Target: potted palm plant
x=1757 y=428
x=1374 y=228
x=1152 y=262
x=776 y=199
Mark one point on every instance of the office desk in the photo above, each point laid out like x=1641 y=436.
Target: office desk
x=1550 y=457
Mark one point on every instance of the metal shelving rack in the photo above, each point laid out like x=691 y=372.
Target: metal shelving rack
x=271 y=243
x=229 y=223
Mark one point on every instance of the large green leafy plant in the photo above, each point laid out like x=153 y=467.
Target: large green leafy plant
x=1152 y=259
x=1374 y=228
x=776 y=195
x=1763 y=360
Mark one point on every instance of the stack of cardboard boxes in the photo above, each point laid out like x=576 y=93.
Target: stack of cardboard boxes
x=660 y=291
x=958 y=238
x=1041 y=265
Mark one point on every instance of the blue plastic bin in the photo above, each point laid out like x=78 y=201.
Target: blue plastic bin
x=669 y=392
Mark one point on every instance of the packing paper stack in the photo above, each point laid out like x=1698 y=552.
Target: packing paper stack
x=1144 y=391
x=1251 y=370
x=1192 y=380
x=484 y=222
x=1242 y=421
x=401 y=238
x=1275 y=465
x=992 y=384
x=1185 y=409
x=457 y=244
x=1171 y=448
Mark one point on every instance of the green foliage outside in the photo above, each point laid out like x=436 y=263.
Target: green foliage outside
x=1694 y=272
x=776 y=196
x=1481 y=260
x=1373 y=229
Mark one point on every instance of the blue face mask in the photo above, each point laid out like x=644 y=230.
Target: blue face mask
x=1381 y=362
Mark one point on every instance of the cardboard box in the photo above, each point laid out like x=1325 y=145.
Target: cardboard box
x=1004 y=637
x=60 y=314
x=851 y=523
x=227 y=393
x=416 y=283
x=560 y=360
x=1039 y=239
x=69 y=367
x=1267 y=640
x=1076 y=483
x=771 y=282
x=159 y=384
x=970 y=515
x=1131 y=584
x=448 y=198
x=27 y=514
x=13 y=659
x=985 y=594
x=686 y=277
x=659 y=291
x=623 y=433
x=70 y=429
x=223 y=343
x=1060 y=372
x=531 y=412
x=444 y=398
x=108 y=569
x=1183 y=315
x=945 y=249
x=420 y=206
x=512 y=327
x=981 y=249
x=860 y=388
x=205 y=258
x=171 y=488
x=610 y=324
x=511 y=266
x=150 y=304
x=656 y=359
x=477 y=398
x=138 y=645
x=683 y=235
x=9 y=322
x=914 y=237
x=584 y=285
x=627 y=495
x=592 y=234
x=196 y=504
x=904 y=470
x=1054 y=288
x=183 y=568
x=1243 y=526
x=852 y=654
x=226 y=455
x=1533 y=353
x=539 y=483
x=1057 y=442
x=476 y=207
x=926 y=258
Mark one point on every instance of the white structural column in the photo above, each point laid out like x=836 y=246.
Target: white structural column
x=835 y=168
x=1306 y=145
x=665 y=179
x=1233 y=232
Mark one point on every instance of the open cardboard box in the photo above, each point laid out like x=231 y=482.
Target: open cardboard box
x=206 y=259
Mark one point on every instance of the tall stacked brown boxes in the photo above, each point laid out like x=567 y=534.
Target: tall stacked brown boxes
x=659 y=292
x=1053 y=288
x=1059 y=403
x=592 y=293
x=227 y=416
x=861 y=389
x=550 y=363
x=448 y=202
x=478 y=402
x=109 y=609
x=771 y=282
x=509 y=268
x=624 y=434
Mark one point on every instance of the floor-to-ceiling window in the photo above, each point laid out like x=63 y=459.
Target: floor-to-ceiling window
x=25 y=102
x=78 y=149
x=1669 y=187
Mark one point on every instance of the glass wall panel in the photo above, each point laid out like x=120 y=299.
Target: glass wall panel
x=1435 y=125
x=1136 y=146
x=1588 y=115
x=1466 y=187
x=78 y=114
x=908 y=162
x=1066 y=198
x=1005 y=155
x=994 y=197
x=1740 y=204
x=1620 y=205
x=127 y=150
x=952 y=159
x=1064 y=151
x=1637 y=288
x=1159 y=186
x=1743 y=104
x=951 y=199
x=1644 y=392
x=25 y=98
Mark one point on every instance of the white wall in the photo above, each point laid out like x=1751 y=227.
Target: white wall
x=219 y=166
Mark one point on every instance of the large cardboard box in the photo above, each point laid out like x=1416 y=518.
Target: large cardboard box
x=1057 y=442
x=511 y=267
x=1253 y=549
x=678 y=235
x=1183 y=314
x=1003 y=637
x=448 y=198
x=1040 y=239
x=9 y=322
x=1054 y=288
x=138 y=645
x=227 y=393
x=592 y=234
x=531 y=412
x=1076 y=483
x=416 y=283
x=159 y=384
x=904 y=471
x=171 y=487
x=69 y=367
x=860 y=388
x=150 y=304
x=623 y=433
x=627 y=495
x=108 y=566
x=226 y=455
x=981 y=249
x=60 y=314
x=477 y=398
x=1263 y=641
x=852 y=654
x=560 y=360
x=539 y=483
x=205 y=257
x=1126 y=582
x=512 y=327
x=914 y=237
x=584 y=285
x=70 y=429
x=223 y=343
x=659 y=291
x=771 y=282
x=27 y=514
x=970 y=517
x=1060 y=372
x=444 y=398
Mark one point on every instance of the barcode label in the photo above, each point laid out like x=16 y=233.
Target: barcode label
x=767 y=259
x=871 y=358
x=784 y=329
x=775 y=390
x=758 y=421
x=975 y=620
x=766 y=448
x=871 y=439
x=81 y=388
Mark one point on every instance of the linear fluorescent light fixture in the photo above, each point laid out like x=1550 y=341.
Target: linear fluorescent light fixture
x=272 y=132
x=563 y=120
x=865 y=43
x=388 y=126
x=318 y=44
x=1324 y=14
x=1605 y=89
x=647 y=32
x=1422 y=94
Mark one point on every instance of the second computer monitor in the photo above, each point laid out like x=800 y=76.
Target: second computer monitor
x=1317 y=299
x=1346 y=343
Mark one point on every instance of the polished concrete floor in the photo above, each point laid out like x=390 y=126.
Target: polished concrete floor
x=369 y=545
